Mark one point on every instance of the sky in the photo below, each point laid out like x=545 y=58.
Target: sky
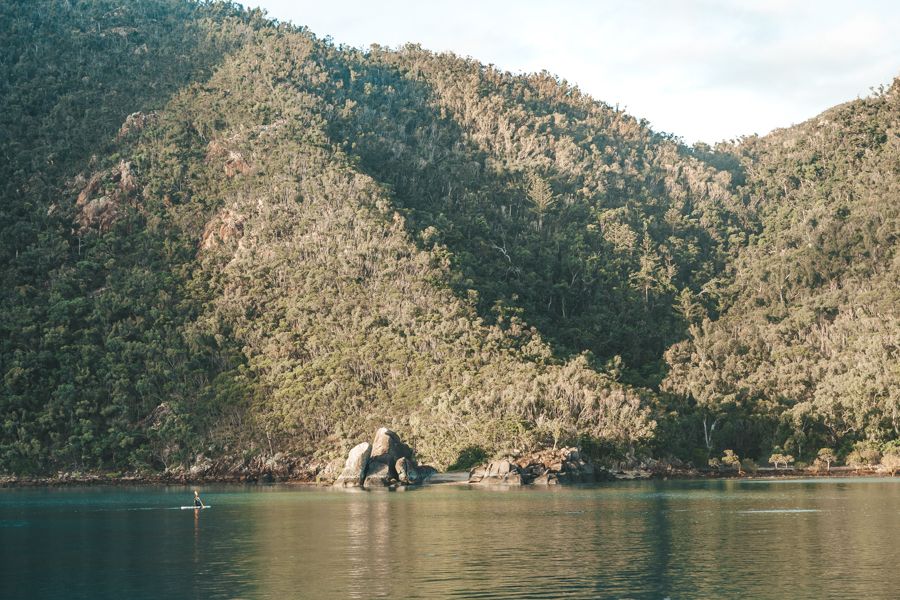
x=704 y=70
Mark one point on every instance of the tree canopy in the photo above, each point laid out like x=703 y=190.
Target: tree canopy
x=223 y=235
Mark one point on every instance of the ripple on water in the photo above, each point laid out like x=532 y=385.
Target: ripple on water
x=778 y=510
x=13 y=523
x=646 y=540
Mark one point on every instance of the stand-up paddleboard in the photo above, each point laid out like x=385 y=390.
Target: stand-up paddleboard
x=195 y=507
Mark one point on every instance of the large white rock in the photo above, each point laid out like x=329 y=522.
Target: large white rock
x=387 y=443
x=355 y=467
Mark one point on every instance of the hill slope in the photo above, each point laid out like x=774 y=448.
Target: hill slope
x=231 y=238
x=806 y=352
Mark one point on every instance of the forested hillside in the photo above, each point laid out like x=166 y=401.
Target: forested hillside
x=225 y=236
x=807 y=352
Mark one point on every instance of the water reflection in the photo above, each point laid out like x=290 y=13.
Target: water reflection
x=639 y=540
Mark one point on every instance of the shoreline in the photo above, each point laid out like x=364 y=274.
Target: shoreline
x=444 y=478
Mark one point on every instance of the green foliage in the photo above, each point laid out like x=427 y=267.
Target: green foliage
x=864 y=455
x=223 y=235
x=224 y=279
x=749 y=465
x=806 y=342
x=890 y=462
x=731 y=460
x=469 y=457
x=826 y=456
x=779 y=458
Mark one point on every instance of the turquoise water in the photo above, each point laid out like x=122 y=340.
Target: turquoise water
x=820 y=538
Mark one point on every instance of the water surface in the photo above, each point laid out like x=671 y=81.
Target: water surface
x=819 y=538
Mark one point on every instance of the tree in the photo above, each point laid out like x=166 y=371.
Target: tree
x=542 y=199
x=732 y=460
x=687 y=306
x=863 y=456
x=652 y=275
x=827 y=456
x=779 y=458
x=891 y=461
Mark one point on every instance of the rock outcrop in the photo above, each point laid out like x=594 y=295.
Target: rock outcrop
x=407 y=471
x=498 y=472
x=378 y=474
x=547 y=467
x=225 y=228
x=387 y=443
x=388 y=448
x=135 y=122
x=100 y=200
x=233 y=161
x=354 y=473
x=387 y=462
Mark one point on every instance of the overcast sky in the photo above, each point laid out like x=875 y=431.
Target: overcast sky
x=705 y=70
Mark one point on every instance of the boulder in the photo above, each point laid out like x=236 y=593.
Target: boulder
x=498 y=472
x=385 y=462
x=378 y=474
x=407 y=471
x=425 y=472
x=546 y=479
x=388 y=444
x=546 y=467
x=355 y=467
x=277 y=467
x=501 y=468
x=201 y=467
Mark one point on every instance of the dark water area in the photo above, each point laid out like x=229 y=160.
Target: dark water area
x=819 y=538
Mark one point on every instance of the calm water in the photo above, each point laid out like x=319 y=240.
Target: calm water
x=721 y=539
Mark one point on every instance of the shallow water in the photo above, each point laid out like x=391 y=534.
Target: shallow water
x=819 y=538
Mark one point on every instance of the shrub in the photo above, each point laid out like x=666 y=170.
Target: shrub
x=469 y=457
x=864 y=455
x=890 y=462
x=732 y=460
x=750 y=465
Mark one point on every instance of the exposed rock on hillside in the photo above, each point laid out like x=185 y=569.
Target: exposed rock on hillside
x=234 y=162
x=134 y=123
x=226 y=227
x=100 y=199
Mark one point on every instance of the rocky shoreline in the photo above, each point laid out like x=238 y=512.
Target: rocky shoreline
x=388 y=463
x=438 y=478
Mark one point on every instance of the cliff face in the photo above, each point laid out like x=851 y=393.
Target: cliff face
x=278 y=245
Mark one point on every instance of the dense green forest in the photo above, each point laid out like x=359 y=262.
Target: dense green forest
x=223 y=235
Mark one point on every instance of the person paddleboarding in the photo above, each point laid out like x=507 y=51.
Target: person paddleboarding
x=198 y=503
